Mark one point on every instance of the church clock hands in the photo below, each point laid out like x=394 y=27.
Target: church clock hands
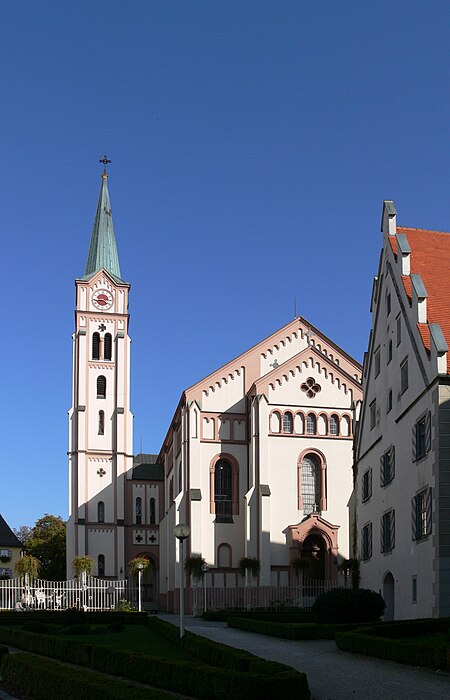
x=102 y=299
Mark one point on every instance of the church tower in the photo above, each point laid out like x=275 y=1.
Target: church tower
x=100 y=420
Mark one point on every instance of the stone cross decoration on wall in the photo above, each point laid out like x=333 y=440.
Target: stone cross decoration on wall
x=101 y=472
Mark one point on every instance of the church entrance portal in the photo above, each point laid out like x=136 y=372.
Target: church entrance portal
x=314 y=551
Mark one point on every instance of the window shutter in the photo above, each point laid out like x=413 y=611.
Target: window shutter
x=414 y=442
x=429 y=511
x=382 y=534
x=392 y=462
x=392 y=543
x=414 y=517
x=370 y=482
x=370 y=540
x=428 y=432
x=382 y=470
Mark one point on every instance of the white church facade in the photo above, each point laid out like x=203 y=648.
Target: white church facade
x=257 y=458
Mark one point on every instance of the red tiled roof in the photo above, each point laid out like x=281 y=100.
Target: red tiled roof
x=430 y=258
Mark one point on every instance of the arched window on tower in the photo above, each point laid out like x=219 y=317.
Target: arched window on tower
x=101 y=387
x=107 y=347
x=96 y=346
x=152 y=511
x=101 y=512
x=223 y=489
x=138 y=510
x=310 y=485
x=287 y=422
x=101 y=422
x=334 y=425
x=311 y=424
x=101 y=565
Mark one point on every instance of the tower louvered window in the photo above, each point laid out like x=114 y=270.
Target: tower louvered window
x=101 y=512
x=138 y=510
x=152 y=511
x=107 y=351
x=101 y=565
x=101 y=422
x=101 y=387
x=96 y=346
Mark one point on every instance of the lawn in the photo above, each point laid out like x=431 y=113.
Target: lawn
x=137 y=638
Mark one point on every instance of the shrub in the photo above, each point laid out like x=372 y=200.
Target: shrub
x=398 y=650
x=289 y=631
x=3 y=650
x=52 y=681
x=41 y=627
x=342 y=605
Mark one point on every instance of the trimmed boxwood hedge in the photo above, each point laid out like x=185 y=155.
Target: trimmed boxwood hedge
x=241 y=675
x=391 y=641
x=71 y=617
x=3 y=650
x=50 y=680
x=289 y=631
x=295 y=615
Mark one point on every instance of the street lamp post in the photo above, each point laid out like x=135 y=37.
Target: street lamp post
x=204 y=569
x=140 y=568
x=181 y=532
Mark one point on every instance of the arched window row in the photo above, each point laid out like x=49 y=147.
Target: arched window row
x=311 y=423
x=98 y=346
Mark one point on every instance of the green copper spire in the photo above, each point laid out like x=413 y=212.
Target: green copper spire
x=103 y=249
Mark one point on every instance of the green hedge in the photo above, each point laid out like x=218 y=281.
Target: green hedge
x=68 y=617
x=391 y=649
x=242 y=675
x=295 y=615
x=409 y=628
x=3 y=650
x=289 y=631
x=49 y=680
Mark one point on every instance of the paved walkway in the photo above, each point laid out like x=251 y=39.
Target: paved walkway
x=332 y=674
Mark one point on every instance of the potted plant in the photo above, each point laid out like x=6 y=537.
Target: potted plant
x=249 y=564
x=195 y=567
x=82 y=565
x=28 y=566
x=139 y=564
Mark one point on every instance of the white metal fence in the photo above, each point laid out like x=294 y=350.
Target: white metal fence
x=86 y=593
x=263 y=597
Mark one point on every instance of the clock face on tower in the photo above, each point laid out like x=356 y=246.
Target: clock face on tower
x=102 y=299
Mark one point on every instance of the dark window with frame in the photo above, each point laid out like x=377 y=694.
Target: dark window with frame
x=334 y=425
x=101 y=512
x=373 y=414
x=377 y=362
x=387 y=466
x=101 y=565
x=287 y=422
x=152 y=511
x=404 y=376
x=101 y=422
x=421 y=511
x=223 y=490
x=311 y=424
x=421 y=437
x=96 y=346
x=138 y=510
x=388 y=304
x=387 y=534
x=366 y=485
x=366 y=542
x=107 y=348
x=101 y=387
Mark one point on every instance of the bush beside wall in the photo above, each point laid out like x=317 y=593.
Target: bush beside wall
x=289 y=631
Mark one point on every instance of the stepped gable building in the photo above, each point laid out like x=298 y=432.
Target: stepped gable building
x=401 y=500
x=258 y=459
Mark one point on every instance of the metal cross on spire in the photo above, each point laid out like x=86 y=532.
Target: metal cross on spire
x=105 y=162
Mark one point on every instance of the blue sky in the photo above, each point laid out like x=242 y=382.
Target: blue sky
x=252 y=145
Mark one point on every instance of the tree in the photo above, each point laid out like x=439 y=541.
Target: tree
x=46 y=541
x=82 y=564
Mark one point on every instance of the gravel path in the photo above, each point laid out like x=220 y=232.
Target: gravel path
x=332 y=674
